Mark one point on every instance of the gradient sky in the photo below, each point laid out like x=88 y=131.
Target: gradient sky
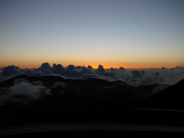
x=127 y=33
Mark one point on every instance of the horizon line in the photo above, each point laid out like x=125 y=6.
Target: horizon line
x=95 y=67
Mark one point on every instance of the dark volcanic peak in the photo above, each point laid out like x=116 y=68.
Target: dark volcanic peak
x=170 y=98
x=148 y=90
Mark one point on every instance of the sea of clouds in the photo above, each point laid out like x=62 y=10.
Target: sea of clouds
x=131 y=76
x=23 y=92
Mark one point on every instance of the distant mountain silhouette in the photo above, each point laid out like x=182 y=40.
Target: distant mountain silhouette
x=90 y=92
x=170 y=98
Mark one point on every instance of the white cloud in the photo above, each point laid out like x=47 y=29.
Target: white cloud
x=22 y=93
x=26 y=89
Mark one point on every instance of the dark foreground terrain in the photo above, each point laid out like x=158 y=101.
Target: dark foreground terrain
x=56 y=91
x=89 y=122
x=90 y=108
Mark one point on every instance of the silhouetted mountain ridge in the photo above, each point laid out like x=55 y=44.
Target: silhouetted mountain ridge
x=170 y=98
x=68 y=92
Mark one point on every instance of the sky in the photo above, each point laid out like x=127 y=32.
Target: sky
x=114 y=33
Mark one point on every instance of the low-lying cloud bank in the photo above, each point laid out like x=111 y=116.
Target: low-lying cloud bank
x=133 y=77
x=22 y=92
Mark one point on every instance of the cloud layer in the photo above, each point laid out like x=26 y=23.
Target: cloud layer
x=25 y=91
x=133 y=77
x=22 y=92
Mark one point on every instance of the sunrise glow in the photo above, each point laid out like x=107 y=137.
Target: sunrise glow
x=138 y=34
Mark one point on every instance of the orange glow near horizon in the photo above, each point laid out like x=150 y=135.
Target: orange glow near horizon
x=32 y=65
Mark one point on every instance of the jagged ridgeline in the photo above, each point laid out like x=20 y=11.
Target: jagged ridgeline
x=57 y=91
